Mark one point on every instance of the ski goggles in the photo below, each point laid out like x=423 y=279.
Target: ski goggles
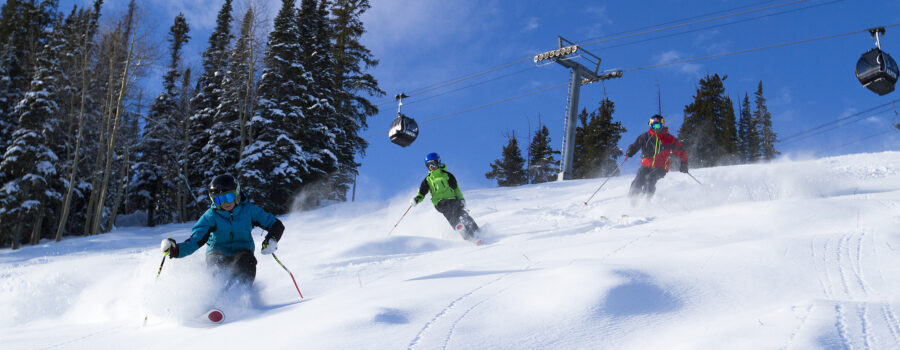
x=224 y=198
x=656 y=125
x=434 y=163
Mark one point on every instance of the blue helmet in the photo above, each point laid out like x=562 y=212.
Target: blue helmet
x=432 y=159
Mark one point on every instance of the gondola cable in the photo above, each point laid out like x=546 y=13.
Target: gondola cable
x=450 y=82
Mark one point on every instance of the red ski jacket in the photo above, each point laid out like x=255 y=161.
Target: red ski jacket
x=656 y=146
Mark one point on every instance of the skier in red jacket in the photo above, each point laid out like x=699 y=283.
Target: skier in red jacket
x=656 y=145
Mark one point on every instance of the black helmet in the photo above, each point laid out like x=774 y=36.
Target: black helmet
x=223 y=184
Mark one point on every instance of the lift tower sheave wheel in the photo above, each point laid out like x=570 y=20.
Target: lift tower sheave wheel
x=581 y=75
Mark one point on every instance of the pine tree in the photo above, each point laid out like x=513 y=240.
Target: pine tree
x=709 y=132
x=726 y=136
x=542 y=165
x=352 y=84
x=768 y=138
x=748 y=134
x=510 y=169
x=29 y=164
x=24 y=31
x=320 y=129
x=597 y=144
x=276 y=162
x=214 y=144
x=156 y=166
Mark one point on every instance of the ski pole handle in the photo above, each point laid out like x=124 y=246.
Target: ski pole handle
x=607 y=179
x=401 y=219
x=289 y=273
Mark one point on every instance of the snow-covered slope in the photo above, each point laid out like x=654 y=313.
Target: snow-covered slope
x=800 y=255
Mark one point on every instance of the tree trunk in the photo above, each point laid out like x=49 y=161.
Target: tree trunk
x=17 y=233
x=64 y=215
x=112 y=139
x=245 y=109
x=101 y=155
x=38 y=225
x=119 y=191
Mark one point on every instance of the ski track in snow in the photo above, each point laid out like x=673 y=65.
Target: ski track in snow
x=447 y=309
x=846 y=285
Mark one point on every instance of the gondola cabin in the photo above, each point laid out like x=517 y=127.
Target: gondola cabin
x=404 y=130
x=877 y=71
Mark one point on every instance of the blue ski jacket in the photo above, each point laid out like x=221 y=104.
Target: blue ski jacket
x=229 y=232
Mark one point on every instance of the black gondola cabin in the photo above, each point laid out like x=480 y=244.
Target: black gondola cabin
x=877 y=71
x=404 y=130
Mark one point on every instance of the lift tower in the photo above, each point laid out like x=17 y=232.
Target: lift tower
x=581 y=75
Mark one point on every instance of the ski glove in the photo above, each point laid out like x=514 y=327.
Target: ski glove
x=168 y=245
x=269 y=246
x=684 y=167
x=414 y=201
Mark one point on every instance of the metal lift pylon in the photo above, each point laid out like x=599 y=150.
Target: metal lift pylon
x=581 y=75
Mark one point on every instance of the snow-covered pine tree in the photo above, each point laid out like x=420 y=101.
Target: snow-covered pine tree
x=29 y=164
x=24 y=28
x=767 y=135
x=352 y=83
x=156 y=166
x=509 y=170
x=275 y=162
x=543 y=166
x=321 y=131
x=214 y=146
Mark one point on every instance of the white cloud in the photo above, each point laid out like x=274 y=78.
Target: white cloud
x=532 y=24
x=674 y=56
x=392 y=24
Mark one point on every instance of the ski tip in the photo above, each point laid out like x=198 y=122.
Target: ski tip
x=215 y=316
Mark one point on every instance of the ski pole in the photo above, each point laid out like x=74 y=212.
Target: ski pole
x=289 y=273
x=158 y=272
x=695 y=179
x=401 y=219
x=607 y=179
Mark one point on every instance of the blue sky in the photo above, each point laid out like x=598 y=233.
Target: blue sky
x=423 y=43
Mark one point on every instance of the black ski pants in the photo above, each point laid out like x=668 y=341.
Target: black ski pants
x=645 y=181
x=456 y=214
x=240 y=268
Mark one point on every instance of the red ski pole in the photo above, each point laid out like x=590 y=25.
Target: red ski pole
x=289 y=273
x=401 y=219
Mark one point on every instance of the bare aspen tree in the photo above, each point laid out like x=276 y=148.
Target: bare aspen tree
x=83 y=61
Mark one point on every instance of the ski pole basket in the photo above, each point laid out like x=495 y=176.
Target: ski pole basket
x=876 y=70
x=404 y=130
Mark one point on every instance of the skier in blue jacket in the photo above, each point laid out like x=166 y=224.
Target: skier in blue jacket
x=225 y=230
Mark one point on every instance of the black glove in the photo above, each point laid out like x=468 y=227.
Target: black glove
x=684 y=167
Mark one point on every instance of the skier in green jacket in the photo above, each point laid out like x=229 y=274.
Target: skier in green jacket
x=446 y=197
